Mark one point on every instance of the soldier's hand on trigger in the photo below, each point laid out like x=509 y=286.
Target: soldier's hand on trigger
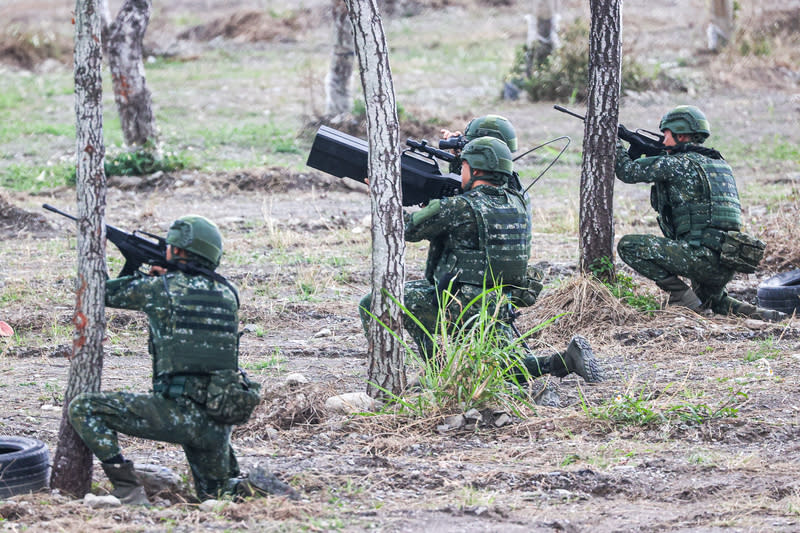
x=157 y=271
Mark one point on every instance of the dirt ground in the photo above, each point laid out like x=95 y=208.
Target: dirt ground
x=297 y=245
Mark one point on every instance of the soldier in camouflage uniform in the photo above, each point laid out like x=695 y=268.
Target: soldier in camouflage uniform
x=695 y=195
x=193 y=331
x=478 y=239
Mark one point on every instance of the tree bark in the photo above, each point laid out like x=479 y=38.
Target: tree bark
x=600 y=134
x=133 y=99
x=338 y=94
x=386 y=366
x=72 y=464
x=720 y=29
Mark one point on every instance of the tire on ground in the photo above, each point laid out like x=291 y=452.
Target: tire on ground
x=24 y=466
x=781 y=292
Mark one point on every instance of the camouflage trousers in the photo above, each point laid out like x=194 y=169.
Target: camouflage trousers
x=99 y=417
x=422 y=301
x=657 y=258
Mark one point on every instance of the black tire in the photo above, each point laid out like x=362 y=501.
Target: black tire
x=24 y=466
x=781 y=292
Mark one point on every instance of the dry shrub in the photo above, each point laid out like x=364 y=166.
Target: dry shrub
x=765 y=50
x=782 y=252
x=252 y=26
x=587 y=306
x=26 y=50
x=15 y=220
x=287 y=406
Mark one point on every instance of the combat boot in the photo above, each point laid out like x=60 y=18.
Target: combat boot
x=579 y=359
x=679 y=293
x=127 y=488
x=261 y=482
x=740 y=308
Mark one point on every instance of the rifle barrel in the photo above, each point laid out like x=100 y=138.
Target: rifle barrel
x=59 y=211
x=568 y=112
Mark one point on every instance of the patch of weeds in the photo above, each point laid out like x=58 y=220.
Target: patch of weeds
x=645 y=408
x=139 y=163
x=311 y=282
x=36 y=178
x=571 y=458
x=472 y=497
x=765 y=349
x=475 y=364
x=623 y=287
x=275 y=361
x=564 y=74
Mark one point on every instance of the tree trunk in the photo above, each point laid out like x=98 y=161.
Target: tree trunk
x=720 y=29
x=131 y=94
x=600 y=134
x=72 y=464
x=543 y=35
x=386 y=366
x=338 y=95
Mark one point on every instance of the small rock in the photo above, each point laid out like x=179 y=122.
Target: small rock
x=250 y=328
x=324 y=332
x=351 y=402
x=473 y=414
x=101 y=502
x=751 y=323
x=211 y=505
x=157 y=479
x=455 y=421
x=502 y=420
x=270 y=432
x=296 y=378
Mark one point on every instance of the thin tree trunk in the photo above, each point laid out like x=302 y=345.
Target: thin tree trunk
x=72 y=464
x=720 y=29
x=338 y=94
x=386 y=366
x=543 y=34
x=600 y=133
x=133 y=99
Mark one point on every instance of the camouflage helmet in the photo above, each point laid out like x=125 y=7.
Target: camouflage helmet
x=197 y=235
x=686 y=119
x=492 y=126
x=490 y=155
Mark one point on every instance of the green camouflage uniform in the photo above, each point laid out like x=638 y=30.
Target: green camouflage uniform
x=697 y=202
x=193 y=327
x=481 y=234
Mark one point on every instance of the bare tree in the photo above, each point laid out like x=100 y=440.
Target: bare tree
x=133 y=98
x=338 y=94
x=72 y=464
x=386 y=366
x=542 y=33
x=600 y=133
x=720 y=29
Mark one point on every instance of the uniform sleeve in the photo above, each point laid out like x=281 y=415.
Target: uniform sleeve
x=438 y=218
x=137 y=292
x=645 y=169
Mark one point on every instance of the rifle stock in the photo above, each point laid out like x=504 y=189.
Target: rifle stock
x=344 y=156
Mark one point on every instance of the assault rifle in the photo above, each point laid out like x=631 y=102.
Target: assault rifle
x=642 y=142
x=344 y=156
x=135 y=249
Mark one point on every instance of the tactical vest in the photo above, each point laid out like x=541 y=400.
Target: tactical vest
x=201 y=331
x=716 y=207
x=503 y=240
